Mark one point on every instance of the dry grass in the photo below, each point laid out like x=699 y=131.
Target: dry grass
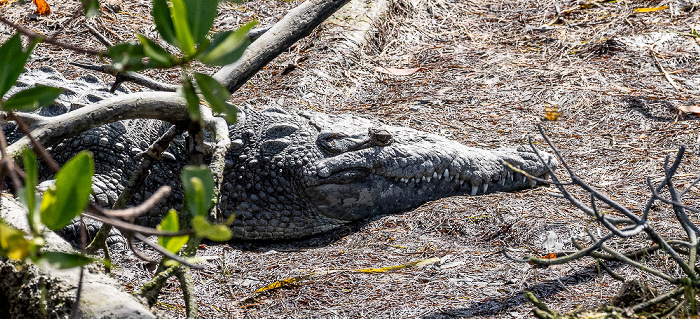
x=489 y=68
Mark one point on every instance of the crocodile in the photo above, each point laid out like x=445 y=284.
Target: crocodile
x=290 y=175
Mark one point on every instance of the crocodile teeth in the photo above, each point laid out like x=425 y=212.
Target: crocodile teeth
x=169 y=156
x=435 y=175
x=486 y=187
x=423 y=178
x=428 y=179
x=474 y=189
x=445 y=173
x=404 y=180
x=524 y=178
x=457 y=176
x=502 y=181
x=413 y=179
x=461 y=182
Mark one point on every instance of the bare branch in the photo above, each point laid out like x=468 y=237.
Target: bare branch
x=637 y=265
x=568 y=258
x=697 y=180
x=624 y=233
x=221 y=141
x=133 y=212
x=658 y=299
x=139 y=254
x=96 y=211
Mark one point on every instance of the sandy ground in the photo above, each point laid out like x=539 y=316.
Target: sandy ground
x=489 y=71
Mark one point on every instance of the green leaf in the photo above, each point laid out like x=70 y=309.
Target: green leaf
x=178 y=12
x=190 y=95
x=171 y=223
x=13 y=245
x=127 y=56
x=158 y=57
x=216 y=95
x=32 y=98
x=198 y=183
x=200 y=16
x=163 y=21
x=13 y=59
x=227 y=47
x=69 y=196
x=28 y=193
x=91 y=8
x=62 y=260
x=205 y=229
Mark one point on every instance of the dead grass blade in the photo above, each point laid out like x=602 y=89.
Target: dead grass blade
x=299 y=279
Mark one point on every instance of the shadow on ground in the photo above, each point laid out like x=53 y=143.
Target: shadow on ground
x=491 y=308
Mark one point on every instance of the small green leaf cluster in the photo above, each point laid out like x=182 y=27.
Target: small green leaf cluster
x=198 y=183
x=66 y=198
x=60 y=204
x=185 y=25
x=13 y=58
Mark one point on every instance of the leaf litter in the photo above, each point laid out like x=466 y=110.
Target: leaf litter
x=489 y=71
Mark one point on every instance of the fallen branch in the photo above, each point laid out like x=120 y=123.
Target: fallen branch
x=165 y=106
x=298 y=23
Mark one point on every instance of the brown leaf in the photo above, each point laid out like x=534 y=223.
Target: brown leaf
x=550 y=256
x=394 y=71
x=42 y=7
x=690 y=109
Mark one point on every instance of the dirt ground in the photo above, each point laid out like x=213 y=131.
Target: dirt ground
x=489 y=72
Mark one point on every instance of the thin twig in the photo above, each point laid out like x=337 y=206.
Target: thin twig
x=38 y=147
x=129 y=76
x=130 y=228
x=136 y=251
x=7 y=165
x=565 y=259
x=133 y=212
x=34 y=35
x=166 y=252
x=98 y=35
x=697 y=180
x=610 y=272
x=661 y=298
x=665 y=73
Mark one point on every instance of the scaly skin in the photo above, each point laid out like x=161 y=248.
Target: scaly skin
x=290 y=175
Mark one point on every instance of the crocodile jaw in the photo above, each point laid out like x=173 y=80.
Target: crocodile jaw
x=420 y=168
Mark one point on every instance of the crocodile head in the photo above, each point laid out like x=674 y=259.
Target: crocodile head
x=369 y=169
x=316 y=171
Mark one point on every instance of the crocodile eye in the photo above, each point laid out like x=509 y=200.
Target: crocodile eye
x=380 y=137
x=332 y=142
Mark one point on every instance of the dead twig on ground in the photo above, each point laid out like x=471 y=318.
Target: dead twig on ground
x=633 y=225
